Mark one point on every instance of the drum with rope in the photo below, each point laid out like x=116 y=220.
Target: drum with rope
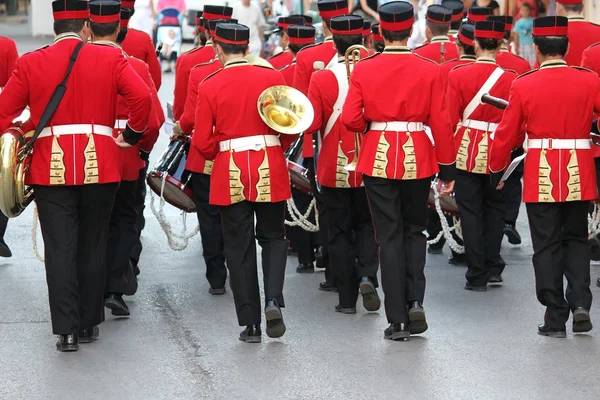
x=295 y=163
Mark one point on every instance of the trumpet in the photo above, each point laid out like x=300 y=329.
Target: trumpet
x=351 y=57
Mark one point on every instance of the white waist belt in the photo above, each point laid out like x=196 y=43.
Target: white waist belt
x=77 y=129
x=120 y=123
x=397 y=126
x=561 y=144
x=480 y=125
x=250 y=143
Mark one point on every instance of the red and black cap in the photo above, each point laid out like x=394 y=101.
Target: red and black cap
x=489 y=30
x=308 y=20
x=216 y=12
x=199 y=20
x=286 y=22
x=332 y=8
x=507 y=20
x=70 y=9
x=466 y=34
x=301 y=34
x=366 y=28
x=126 y=14
x=347 y=25
x=439 y=14
x=477 y=14
x=105 y=11
x=569 y=2
x=396 y=16
x=230 y=33
x=375 y=34
x=456 y=6
x=212 y=24
x=127 y=3
x=550 y=26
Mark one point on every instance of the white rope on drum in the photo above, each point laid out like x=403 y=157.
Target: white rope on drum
x=446 y=229
x=594 y=222
x=301 y=220
x=34 y=235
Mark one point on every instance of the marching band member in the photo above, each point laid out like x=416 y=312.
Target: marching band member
x=505 y=58
x=465 y=44
x=366 y=34
x=438 y=47
x=299 y=37
x=139 y=45
x=249 y=178
x=197 y=55
x=457 y=7
x=377 y=39
x=582 y=33
x=476 y=14
x=201 y=28
x=559 y=178
x=480 y=206
x=122 y=233
x=350 y=229
x=397 y=160
x=76 y=162
x=286 y=57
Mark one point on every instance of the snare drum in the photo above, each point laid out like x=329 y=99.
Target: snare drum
x=171 y=168
x=296 y=167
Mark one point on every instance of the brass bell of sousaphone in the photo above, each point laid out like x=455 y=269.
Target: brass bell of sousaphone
x=285 y=110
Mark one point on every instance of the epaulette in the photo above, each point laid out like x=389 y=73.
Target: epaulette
x=594 y=45
x=418 y=47
x=192 y=50
x=39 y=48
x=527 y=73
x=369 y=57
x=286 y=67
x=449 y=61
x=264 y=66
x=276 y=55
x=460 y=66
x=308 y=47
x=205 y=63
x=213 y=74
x=510 y=70
x=425 y=58
x=582 y=68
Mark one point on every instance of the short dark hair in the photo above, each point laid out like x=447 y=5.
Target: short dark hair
x=122 y=34
x=343 y=42
x=455 y=25
x=438 y=29
x=470 y=50
x=327 y=22
x=575 y=8
x=489 y=44
x=379 y=46
x=552 y=45
x=103 y=30
x=395 y=36
x=68 y=25
x=202 y=38
x=526 y=5
x=295 y=48
x=230 y=49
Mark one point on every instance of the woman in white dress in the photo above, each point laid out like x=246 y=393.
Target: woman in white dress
x=144 y=17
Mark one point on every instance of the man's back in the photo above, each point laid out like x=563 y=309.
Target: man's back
x=251 y=16
x=582 y=34
x=8 y=57
x=139 y=45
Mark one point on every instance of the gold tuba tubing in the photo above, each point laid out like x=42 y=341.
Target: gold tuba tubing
x=351 y=57
x=285 y=110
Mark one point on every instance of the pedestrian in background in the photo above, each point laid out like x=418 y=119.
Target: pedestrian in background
x=144 y=17
x=523 y=28
x=250 y=14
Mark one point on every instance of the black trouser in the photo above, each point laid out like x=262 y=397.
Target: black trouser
x=559 y=233
x=211 y=232
x=513 y=189
x=3 y=224
x=74 y=222
x=240 y=247
x=140 y=205
x=122 y=235
x=351 y=236
x=481 y=210
x=304 y=242
x=323 y=216
x=399 y=211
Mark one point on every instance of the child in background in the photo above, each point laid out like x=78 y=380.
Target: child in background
x=524 y=39
x=169 y=52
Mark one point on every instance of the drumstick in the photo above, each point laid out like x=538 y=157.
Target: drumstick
x=494 y=101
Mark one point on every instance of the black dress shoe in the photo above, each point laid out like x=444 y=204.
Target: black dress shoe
x=305 y=268
x=68 y=342
x=511 y=233
x=89 y=335
x=416 y=316
x=475 y=288
x=397 y=331
x=581 y=320
x=217 y=291
x=4 y=250
x=458 y=260
x=496 y=280
x=275 y=325
x=327 y=287
x=345 y=310
x=251 y=334
x=117 y=305
x=545 y=330
x=371 y=301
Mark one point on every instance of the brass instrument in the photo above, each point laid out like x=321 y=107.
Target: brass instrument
x=285 y=110
x=351 y=57
x=15 y=196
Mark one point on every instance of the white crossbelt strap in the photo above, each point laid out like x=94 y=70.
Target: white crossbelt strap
x=250 y=143
x=487 y=86
x=76 y=129
x=560 y=144
x=120 y=123
x=333 y=61
x=480 y=125
x=339 y=70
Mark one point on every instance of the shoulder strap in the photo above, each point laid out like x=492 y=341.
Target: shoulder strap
x=487 y=86
x=339 y=70
x=55 y=100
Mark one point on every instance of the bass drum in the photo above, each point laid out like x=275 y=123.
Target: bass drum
x=171 y=168
x=447 y=203
x=296 y=166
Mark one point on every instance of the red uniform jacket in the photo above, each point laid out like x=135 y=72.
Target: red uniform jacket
x=591 y=60
x=376 y=94
x=195 y=161
x=508 y=60
x=8 y=57
x=288 y=73
x=184 y=65
x=282 y=59
x=582 y=34
x=551 y=175
x=257 y=176
x=464 y=82
x=462 y=60
x=76 y=157
x=433 y=50
x=337 y=144
x=139 y=45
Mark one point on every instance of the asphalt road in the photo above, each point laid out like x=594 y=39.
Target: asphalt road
x=181 y=343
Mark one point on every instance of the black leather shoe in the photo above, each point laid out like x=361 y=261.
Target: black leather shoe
x=68 y=342
x=327 y=287
x=496 y=280
x=345 y=310
x=89 y=335
x=251 y=334
x=305 y=268
x=545 y=330
x=275 y=325
x=4 y=250
x=217 y=291
x=371 y=301
x=320 y=260
x=458 y=260
x=581 y=320
x=431 y=249
x=117 y=305
x=132 y=283
x=511 y=233
x=397 y=331
x=416 y=316
x=475 y=288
